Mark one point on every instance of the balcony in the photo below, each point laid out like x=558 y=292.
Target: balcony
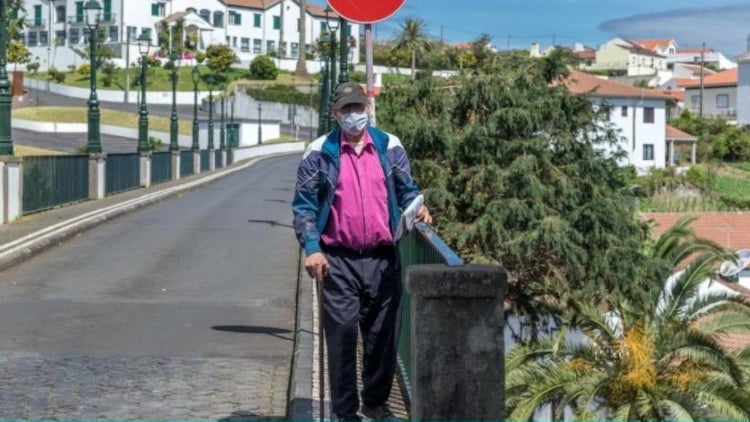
x=77 y=19
x=81 y=19
x=36 y=23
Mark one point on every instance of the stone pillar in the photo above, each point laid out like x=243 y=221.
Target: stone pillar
x=670 y=154
x=146 y=169
x=223 y=158
x=692 y=152
x=175 y=165
x=457 y=342
x=12 y=188
x=211 y=160
x=196 y=162
x=97 y=175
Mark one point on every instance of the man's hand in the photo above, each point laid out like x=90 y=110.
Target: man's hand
x=316 y=265
x=423 y=215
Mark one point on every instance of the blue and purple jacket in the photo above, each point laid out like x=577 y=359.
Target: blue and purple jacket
x=318 y=174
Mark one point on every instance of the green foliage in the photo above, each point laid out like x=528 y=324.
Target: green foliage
x=108 y=73
x=284 y=94
x=56 y=75
x=33 y=67
x=656 y=357
x=263 y=67
x=220 y=57
x=641 y=83
x=511 y=172
x=84 y=69
x=717 y=139
x=155 y=144
x=16 y=51
x=178 y=30
x=414 y=39
x=200 y=57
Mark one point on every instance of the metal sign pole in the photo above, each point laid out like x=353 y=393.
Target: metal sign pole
x=370 y=73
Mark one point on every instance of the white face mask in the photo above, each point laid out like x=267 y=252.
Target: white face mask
x=353 y=123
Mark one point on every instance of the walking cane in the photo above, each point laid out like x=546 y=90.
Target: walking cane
x=321 y=347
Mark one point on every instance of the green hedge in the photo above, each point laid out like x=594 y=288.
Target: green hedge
x=284 y=94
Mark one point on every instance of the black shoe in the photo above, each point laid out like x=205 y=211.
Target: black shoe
x=379 y=413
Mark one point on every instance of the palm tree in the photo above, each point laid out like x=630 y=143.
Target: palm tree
x=413 y=38
x=301 y=69
x=655 y=358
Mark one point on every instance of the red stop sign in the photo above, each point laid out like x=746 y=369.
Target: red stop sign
x=366 y=11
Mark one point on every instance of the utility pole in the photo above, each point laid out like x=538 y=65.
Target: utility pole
x=703 y=58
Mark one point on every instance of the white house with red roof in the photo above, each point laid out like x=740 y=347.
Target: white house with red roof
x=619 y=54
x=664 y=47
x=719 y=97
x=743 y=89
x=711 y=57
x=640 y=117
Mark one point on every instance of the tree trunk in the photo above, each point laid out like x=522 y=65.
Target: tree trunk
x=302 y=50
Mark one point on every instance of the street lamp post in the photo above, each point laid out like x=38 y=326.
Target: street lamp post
x=211 y=80
x=173 y=144
x=222 y=128
x=93 y=10
x=6 y=144
x=260 y=122
x=233 y=138
x=344 y=54
x=333 y=26
x=144 y=43
x=325 y=89
x=196 y=75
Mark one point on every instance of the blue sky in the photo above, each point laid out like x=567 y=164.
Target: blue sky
x=721 y=24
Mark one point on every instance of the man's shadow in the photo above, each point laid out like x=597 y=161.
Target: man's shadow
x=253 y=329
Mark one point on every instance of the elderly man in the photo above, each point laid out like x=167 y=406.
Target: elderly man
x=351 y=187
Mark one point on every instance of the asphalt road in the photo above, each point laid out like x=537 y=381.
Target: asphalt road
x=69 y=142
x=182 y=310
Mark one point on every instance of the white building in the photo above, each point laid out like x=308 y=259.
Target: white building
x=743 y=89
x=56 y=29
x=618 y=54
x=639 y=115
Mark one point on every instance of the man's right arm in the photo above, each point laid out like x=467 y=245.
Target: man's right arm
x=305 y=205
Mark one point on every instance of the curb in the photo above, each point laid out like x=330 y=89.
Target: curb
x=28 y=246
x=300 y=401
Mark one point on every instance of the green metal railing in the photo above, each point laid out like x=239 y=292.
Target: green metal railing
x=49 y=181
x=161 y=166
x=187 y=163
x=205 y=156
x=420 y=246
x=217 y=159
x=122 y=172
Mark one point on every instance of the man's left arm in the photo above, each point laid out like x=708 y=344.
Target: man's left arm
x=406 y=189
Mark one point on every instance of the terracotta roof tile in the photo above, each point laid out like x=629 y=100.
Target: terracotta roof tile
x=586 y=54
x=675 y=94
x=584 y=83
x=728 y=229
x=653 y=44
x=725 y=78
x=678 y=135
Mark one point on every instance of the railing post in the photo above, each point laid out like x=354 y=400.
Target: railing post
x=457 y=342
x=12 y=185
x=196 y=162
x=97 y=176
x=145 y=169
x=176 y=164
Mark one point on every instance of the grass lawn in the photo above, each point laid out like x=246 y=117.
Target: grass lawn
x=25 y=151
x=108 y=117
x=158 y=79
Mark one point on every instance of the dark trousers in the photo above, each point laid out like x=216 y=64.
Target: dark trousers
x=362 y=290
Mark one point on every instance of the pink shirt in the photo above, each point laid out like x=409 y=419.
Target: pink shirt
x=359 y=213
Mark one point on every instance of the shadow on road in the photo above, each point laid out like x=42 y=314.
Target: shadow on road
x=271 y=223
x=253 y=329
x=246 y=415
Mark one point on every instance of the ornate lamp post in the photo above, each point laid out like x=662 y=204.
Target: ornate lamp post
x=233 y=138
x=144 y=43
x=333 y=26
x=325 y=88
x=222 y=128
x=6 y=144
x=173 y=144
x=196 y=75
x=93 y=10
x=344 y=54
x=211 y=80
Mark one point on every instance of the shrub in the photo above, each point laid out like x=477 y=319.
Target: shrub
x=200 y=57
x=263 y=67
x=56 y=75
x=33 y=67
x=283 y=94
x=155 y=144
x=108 y=73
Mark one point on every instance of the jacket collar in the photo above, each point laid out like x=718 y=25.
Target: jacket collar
x=332 y=144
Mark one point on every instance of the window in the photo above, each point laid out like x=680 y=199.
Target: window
x=228 y=40
x=245 y=45
x=59 y=38
x=234 y=41
x=277 y=22
x=107 y=11
x=722 y=100
x=132 y=33
x=606 y=112
x=146 y=31
x=75 y=36
x=43 y=38
x=218 y=19
x=648 y=152
x=158 y=9
x=256 y=20
x=235 y=18
x=79 y=14
x=205 y=14
x=295 y=49
x=648 y=114
x=37 y=15
x=60 y=14
x=32 y=39
x=624 y=111
x=86 y=36
x=323 y=27
x=257 y=46
x=113 y=32
x=270 y=46
x=695 y=100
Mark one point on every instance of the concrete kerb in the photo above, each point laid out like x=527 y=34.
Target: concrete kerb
x=18 y=250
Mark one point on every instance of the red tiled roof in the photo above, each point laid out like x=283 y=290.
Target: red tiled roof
x=637 y=49
x=586 y=54
x=678 y=135
x=584 y=83
x=653 y=44
x=728 y=229
x=675 y=94
x=725 y=78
